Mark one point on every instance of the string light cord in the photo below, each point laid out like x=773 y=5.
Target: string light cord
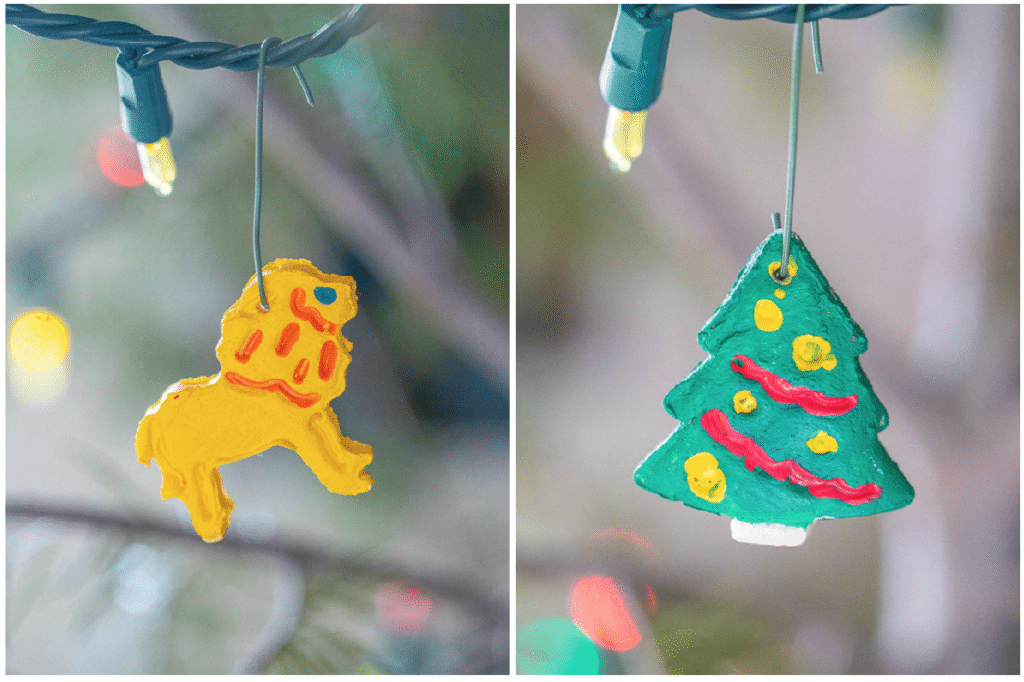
x=634 y=62
x=145 y=113
x=783 y=13
x=193 y=55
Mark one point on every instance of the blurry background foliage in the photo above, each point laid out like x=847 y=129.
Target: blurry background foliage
x=907 y=194
x=397 y=176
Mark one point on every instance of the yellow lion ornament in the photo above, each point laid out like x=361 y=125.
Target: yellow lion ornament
x=280 y=368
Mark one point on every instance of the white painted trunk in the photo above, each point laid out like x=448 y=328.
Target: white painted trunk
x=774 y=534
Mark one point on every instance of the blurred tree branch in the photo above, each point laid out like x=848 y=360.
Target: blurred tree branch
x=294 y=601
x=300 y=555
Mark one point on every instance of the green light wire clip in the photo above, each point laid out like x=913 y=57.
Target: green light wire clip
x=634 y=62
x=146 y=117
x=631 y=80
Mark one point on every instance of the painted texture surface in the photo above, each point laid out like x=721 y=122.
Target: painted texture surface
x=801 y=441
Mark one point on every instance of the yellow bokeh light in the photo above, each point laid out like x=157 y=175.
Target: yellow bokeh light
x=39 y=341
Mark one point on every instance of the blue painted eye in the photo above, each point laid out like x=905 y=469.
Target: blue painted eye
x=325 y=295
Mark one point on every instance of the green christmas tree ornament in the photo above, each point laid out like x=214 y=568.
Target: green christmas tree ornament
x=778 y=425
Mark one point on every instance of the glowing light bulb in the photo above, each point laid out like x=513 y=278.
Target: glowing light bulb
x=624 y=137
x=39 y=341
x=158 y=165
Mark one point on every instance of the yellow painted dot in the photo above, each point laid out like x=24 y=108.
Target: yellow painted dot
x=39 y=341
x=823 y=443
x=767 y=315
x=706 y=480
x=744 y=402
x=779 y=293
x=811 y=353
x=773 y=267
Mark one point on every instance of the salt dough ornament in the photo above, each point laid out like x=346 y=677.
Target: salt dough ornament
x=280 y=368
x=779 y=423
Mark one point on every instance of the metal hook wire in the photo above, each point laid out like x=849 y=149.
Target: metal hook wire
x=309 y=93
x=815 y=46
x=258 y=192
x=794 y=112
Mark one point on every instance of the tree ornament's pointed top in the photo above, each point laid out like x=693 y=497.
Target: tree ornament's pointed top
x=761 y=289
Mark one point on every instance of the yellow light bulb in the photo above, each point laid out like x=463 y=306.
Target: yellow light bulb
x=624 y=137
x=158 y=165
x=39 y=341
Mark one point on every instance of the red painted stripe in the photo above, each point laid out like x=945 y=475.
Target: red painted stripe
x=309 y=313
x=301 y=370
x=780 y=390
x=289 y=335
x=250 y=346
x=279 y=385
x=716 y=423
x=328 y=358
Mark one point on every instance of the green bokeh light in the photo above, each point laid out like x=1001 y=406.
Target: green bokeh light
x=555 y=646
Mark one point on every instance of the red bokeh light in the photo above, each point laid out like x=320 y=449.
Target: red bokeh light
x=599 y=610
x=626 y=534
x=118 y=157
x=403 y=609
x=652 y=601
x=645 y=549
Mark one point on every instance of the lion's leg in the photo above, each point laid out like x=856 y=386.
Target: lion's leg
x=208 y=504
x=150 y=444
x=337 y=461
